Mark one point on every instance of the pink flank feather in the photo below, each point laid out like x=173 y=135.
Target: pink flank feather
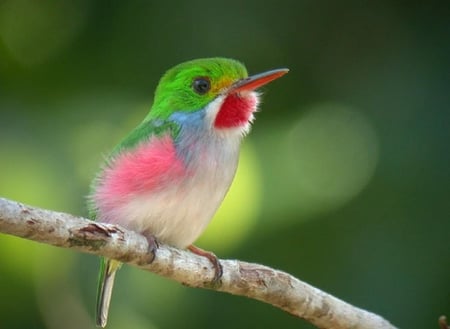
x=149 y=167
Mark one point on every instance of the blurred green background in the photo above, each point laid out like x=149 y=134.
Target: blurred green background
x=343 y=182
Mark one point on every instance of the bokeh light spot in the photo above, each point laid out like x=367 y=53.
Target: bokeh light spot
x=33 y=31
x=333 y=154
x=32 y=177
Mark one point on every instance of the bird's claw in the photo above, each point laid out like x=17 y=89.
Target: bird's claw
x=153 y=245
x=218 y=270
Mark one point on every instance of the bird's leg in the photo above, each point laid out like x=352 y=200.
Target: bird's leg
x=153 y=244
x=218 y=271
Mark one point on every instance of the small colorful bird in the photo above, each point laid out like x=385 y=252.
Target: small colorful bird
x=167 y=178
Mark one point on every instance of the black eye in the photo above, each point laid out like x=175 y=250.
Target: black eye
x=201 y=85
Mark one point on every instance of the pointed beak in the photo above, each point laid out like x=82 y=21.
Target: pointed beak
x=255 y=81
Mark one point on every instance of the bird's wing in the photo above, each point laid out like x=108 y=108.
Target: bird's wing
x=146 y=130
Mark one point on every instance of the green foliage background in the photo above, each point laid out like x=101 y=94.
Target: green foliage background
x=344 y=180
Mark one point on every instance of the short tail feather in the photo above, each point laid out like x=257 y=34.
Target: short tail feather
x=108 y=268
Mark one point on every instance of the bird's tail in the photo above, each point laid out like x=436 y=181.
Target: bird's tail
x=108 y=268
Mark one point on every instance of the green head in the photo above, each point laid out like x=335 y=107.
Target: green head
x=191 y=85
x=220 y=86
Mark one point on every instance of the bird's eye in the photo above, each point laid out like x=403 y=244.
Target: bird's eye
x=201 y=85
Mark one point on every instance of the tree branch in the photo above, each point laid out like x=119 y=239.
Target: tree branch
x=239 y=278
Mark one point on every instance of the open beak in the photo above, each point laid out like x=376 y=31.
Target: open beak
x=255 y=81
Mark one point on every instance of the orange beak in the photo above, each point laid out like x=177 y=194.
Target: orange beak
x=255 y=81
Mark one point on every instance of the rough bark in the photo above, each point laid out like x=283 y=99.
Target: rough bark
x=255 y=281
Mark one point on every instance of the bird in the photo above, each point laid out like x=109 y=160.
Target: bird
x=168 y=176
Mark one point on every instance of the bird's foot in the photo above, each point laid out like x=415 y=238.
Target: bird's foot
x=153 y=245
x=218 y=271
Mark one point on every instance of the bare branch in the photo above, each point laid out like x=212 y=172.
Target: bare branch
x=239 y=278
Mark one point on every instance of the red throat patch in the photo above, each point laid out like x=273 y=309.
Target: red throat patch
x=235 y=111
